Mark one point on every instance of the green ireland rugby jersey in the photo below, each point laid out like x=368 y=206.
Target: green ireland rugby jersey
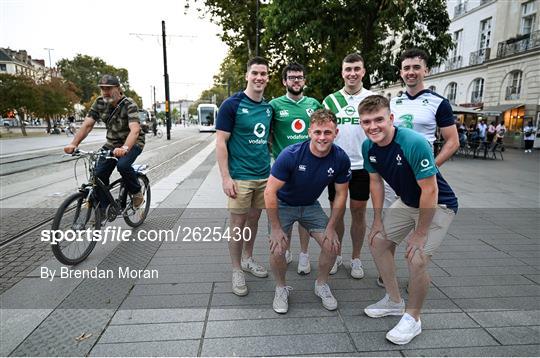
x=351 y=135
x=291 y=121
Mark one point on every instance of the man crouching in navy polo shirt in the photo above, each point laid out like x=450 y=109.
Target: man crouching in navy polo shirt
x=426 y=205
x=298 y=177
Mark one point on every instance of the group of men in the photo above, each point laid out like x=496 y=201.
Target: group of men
x=355 y=144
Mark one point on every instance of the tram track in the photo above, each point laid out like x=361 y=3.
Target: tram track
x=40 y=223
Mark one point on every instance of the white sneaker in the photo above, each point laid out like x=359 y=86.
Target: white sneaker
x=405 y=330
x=253 y=267
x=337 y=263
x=239 y=287
x=357 y=271
x=385 y=307
x=304 y=267
x=281 y=299
x=328 y=300
x=288 y=257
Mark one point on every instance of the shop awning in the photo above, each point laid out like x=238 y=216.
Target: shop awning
x=464 y=110
x=498 y=110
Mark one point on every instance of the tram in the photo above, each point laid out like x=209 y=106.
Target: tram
x=207 y=114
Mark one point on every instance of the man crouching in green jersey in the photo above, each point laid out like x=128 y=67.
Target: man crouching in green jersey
x=290 y=123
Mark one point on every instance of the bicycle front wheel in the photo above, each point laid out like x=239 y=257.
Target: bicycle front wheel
x=72 y=220
x=134 y=216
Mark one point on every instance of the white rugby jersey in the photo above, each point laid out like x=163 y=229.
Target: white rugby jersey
x=423 y=113
x=351 y=135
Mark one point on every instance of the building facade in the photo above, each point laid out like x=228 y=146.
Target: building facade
x=20 y=63
x=495 y=65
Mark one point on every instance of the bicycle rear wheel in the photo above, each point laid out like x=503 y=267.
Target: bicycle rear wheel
x=135 y=216
x=73 y=218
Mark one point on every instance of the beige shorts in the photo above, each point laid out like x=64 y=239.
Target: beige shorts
x=400 y=219
x=250 y=194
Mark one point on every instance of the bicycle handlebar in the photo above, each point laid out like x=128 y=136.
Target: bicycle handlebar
x=107 y=154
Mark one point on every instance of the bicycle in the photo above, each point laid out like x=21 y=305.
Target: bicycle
x=159 y=133
x=81 y=215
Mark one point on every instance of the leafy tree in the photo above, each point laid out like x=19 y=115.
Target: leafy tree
x=18 y=93
x=85 y=71
x=56 y=98
x=320 y=34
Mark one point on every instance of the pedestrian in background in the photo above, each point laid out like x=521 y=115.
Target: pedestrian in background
x=529 y=132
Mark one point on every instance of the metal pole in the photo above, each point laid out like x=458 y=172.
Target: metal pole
x=50 y=62
x=166 y=75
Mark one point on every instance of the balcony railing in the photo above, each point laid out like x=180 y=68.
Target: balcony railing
x=460 y=9
x=476 y=97
x=454 y=63
x=512 y=92
x=518 y=44
x=480 y=56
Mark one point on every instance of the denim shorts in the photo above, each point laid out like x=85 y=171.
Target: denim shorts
x=311 y=217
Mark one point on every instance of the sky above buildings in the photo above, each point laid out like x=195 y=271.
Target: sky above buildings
x=102 y=28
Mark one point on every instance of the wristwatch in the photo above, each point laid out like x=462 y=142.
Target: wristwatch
x=125 y=147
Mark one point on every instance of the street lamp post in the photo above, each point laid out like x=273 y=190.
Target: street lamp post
x=50 y=62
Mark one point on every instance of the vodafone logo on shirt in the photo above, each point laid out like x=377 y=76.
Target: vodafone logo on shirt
x=298 y=125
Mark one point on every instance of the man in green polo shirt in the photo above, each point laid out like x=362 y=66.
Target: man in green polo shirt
x=290 y=123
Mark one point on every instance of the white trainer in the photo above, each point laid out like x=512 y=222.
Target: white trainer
x=328 y=300
x=253 y=267
x=357 y=270
x=288 y=257
x=281 y=299
x=239 y=287
x=405 y=330
x=304 y=267
x=385 y=307
x=337 y=263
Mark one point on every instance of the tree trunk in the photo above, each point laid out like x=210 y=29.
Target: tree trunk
x=22 y=117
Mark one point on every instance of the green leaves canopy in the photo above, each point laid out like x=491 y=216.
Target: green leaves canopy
x=319 y=34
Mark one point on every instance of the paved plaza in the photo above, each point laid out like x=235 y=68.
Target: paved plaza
x=484 y=299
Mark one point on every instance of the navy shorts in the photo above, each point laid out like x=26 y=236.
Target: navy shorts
x=358 y=186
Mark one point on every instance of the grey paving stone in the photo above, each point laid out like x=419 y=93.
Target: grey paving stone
x=267 y=327
x=506 y=318
x=152 y=332
x=489 y=351
x=185 y=348
x=513 y=248
x=516 y=335
x=357 y=354
x=141 y=316
x=166 y=301
x=480 y=280
x=256 y=312
x=334 y=343
x=480 y=255
x=189 y=278
x=193 y=268
x=508 y=261
x=499 y=303
x=535 y=278
x=489 y=271
x=171 y=289
x=468 y=337
x=492 y=291
x=524 y=254
x=535 y=261
x=363 y=323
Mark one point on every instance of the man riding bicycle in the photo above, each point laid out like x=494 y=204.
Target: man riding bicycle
x=124 y=136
